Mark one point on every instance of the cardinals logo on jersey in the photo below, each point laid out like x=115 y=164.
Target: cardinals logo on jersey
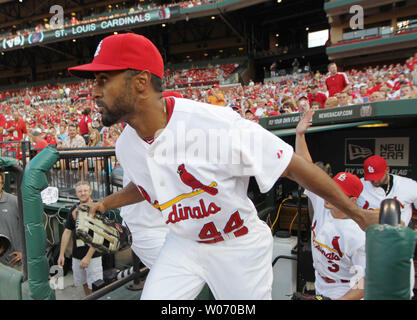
x=335 y=244
x=189 y=180
x=154 y=204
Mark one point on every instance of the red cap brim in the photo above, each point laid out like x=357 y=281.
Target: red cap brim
x=87 y=70
x=374 y=176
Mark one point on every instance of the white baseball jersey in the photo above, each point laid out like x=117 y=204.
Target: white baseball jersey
x=338 y=248
x=403 y=189
x=148 y=229
x=196 y=172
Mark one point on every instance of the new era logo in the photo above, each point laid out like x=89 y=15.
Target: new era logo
x=279 y=154
x=358 y=152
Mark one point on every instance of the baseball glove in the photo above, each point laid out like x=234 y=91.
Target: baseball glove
x=105 y=235
x=300 y=296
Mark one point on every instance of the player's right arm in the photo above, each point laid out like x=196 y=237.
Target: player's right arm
x=317 y=181
x=126 y=196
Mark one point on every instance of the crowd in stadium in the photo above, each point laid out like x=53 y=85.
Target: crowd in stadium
x=51 y=109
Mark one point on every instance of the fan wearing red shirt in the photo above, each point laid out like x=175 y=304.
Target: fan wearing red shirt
x=85 y=124
x=315 y=95
x=17 y=128
x=40 y=143
x=337 y=81
x=2 y=125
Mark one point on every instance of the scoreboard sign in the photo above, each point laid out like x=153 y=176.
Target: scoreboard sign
x=100 y=26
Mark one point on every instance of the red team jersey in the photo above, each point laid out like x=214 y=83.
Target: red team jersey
x=84 y=124
x=319 y=97
x=2 y=125
x=336 y=83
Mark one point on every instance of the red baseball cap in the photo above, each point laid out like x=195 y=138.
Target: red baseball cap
x=350 y=184
x=374 y=168
x=121 y=52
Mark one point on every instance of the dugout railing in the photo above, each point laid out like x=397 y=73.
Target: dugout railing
x=94 y=165
x=15 y=149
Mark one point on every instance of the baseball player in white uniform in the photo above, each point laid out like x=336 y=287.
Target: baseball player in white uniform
x=199 y=186
x=379 y=185
x=148 y=232
x=338 y=244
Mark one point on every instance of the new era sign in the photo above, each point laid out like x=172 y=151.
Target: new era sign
x=394 y=150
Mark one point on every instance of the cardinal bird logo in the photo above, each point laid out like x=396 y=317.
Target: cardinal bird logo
x=155 y=204
x=335 y=244
x=192 y=182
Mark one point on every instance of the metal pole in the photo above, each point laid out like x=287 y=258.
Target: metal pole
x=135 y=285
x=107 y=175
x=111 y=287
x=299 y=244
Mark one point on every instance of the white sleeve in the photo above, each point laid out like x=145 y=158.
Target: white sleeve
x=257 y=152
x=346 y=77
x=359 y=261
x=316 y=201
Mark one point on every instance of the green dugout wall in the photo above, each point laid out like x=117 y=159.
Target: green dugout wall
x=346 y=136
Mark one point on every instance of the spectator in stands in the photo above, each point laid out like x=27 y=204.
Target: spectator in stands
x=39 y=142
x=249 y=115
x=62 y=132
x=273 y=69
x=302 y=103
x=363 y=96
x=331 y=102
x=114 y=134
x=85 y=124
x=316 y=106
x=97 y=124
x=337 y=81
x=11 y=228
x=95 y=139
x=216 y=97
x=17 y=127
x=2 y=126
x=288 y=106
x=86 y=262
x=343 y=98
x=376 y=96
x=406 y=91
x=74 y=140
x=51 y=137
x=317 y=96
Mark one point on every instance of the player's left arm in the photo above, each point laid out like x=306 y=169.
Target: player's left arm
x=301 y=147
